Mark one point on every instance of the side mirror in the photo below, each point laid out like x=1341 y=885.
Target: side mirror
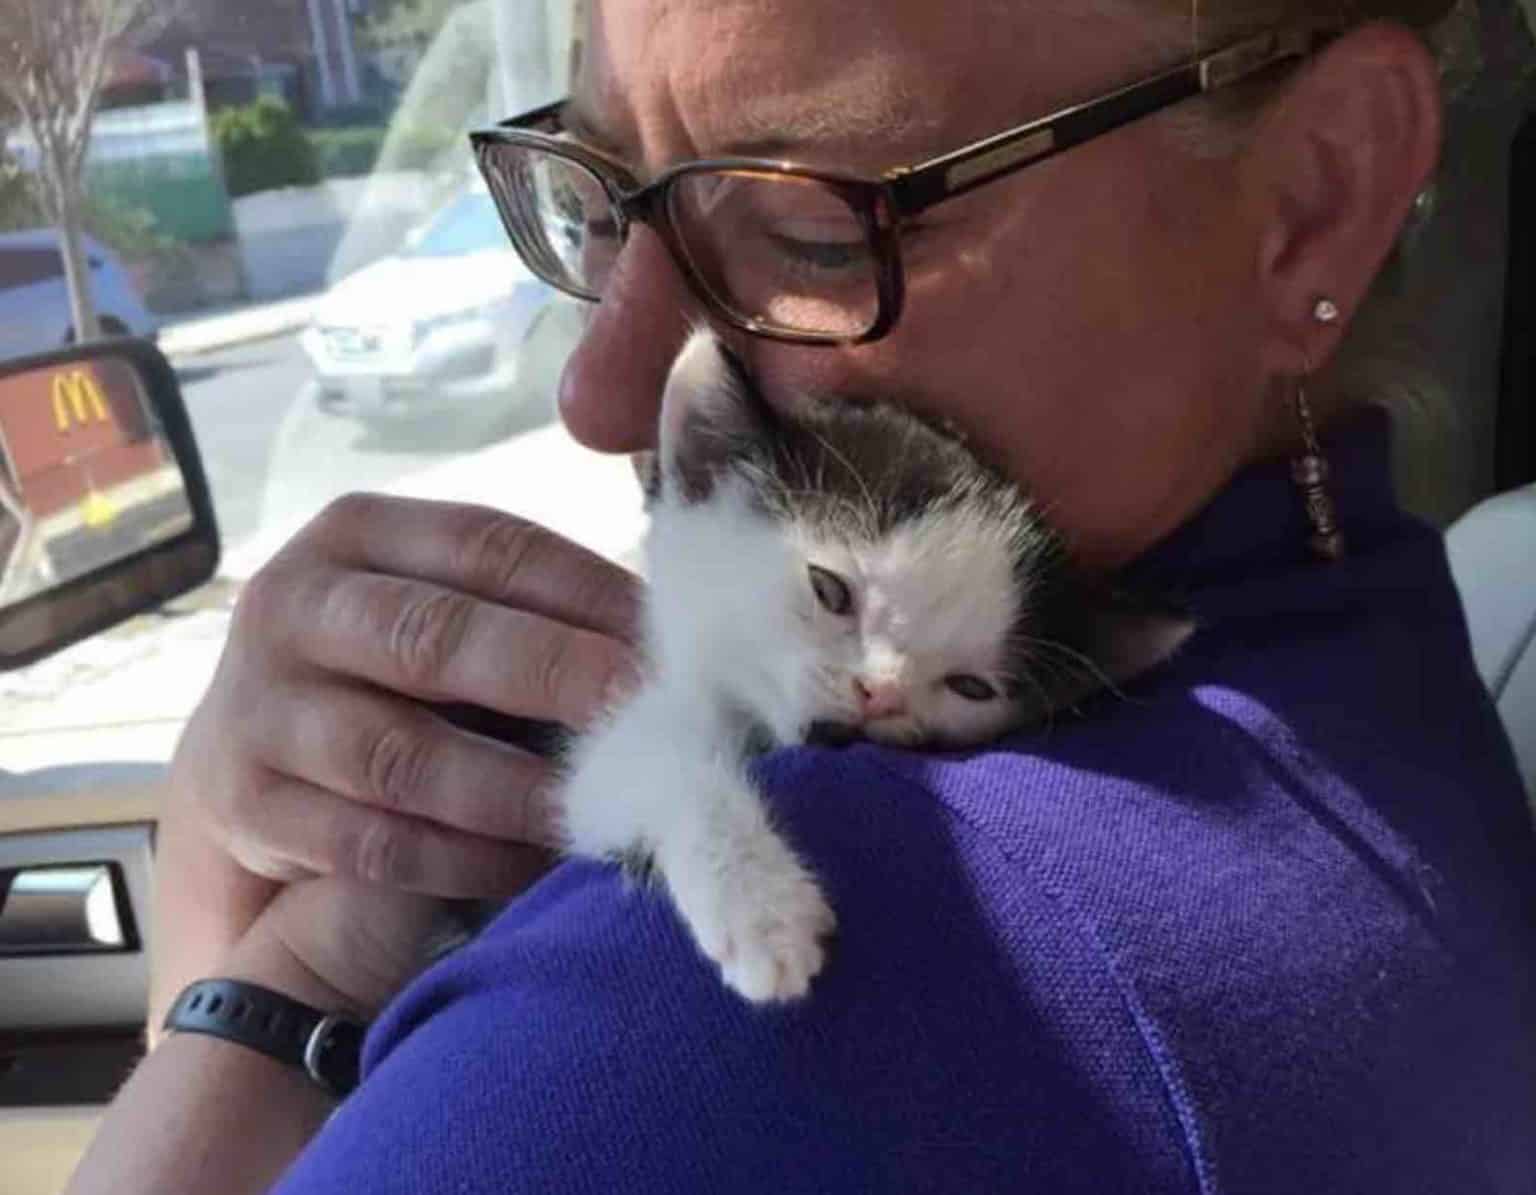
x=104 y=509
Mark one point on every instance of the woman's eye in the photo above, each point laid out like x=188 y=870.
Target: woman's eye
x=972 y=688
x=831 y=591
x=823 y=255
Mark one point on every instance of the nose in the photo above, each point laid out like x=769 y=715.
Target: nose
x=879 y=698
x=610 y=391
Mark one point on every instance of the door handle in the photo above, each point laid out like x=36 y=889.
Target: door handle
x=76 y=908
x=59 y=968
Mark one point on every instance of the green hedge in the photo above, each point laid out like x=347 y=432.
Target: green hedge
x=421 y=147
x=344 y=153
x=263 y=147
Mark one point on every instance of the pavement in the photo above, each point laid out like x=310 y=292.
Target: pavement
x=237 y=325
x=123 y=696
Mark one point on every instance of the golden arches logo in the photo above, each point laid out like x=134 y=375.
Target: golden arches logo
x=77 y=393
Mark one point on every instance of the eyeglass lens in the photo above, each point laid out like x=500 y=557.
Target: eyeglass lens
x=783 y=252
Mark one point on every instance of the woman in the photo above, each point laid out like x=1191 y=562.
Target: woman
x=1267 y=926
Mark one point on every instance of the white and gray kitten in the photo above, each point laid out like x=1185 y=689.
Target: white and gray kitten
x=844 y=568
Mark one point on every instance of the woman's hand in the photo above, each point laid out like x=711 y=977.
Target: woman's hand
x=315 y=751
x=340 y=944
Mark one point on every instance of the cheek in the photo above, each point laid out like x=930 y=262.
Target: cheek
x=965 y=722
x=1024 y=338
x=838 y=651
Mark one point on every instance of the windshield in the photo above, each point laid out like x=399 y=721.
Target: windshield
x=252 y=179
x=468 y=225
x=256 y=180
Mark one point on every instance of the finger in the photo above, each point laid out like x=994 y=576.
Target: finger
x=485 y=552
x=442 y=645
x=297 y=829
x=392 y=753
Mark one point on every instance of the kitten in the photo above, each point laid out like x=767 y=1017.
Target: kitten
x=842 y=571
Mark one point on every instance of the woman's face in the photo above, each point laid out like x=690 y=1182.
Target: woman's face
x=1083 y=321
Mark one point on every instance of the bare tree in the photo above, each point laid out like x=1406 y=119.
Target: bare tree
x=54 y=57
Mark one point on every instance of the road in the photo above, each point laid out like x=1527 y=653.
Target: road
x=273 y=457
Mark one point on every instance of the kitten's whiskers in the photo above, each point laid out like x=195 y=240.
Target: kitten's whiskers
x=1085 y=663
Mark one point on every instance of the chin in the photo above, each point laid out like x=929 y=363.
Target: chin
x=894 y=734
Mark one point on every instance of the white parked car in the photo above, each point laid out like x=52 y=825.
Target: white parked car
x=34 y=298
x=432 y=332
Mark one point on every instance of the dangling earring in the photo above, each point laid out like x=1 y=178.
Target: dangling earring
x=1310 y=470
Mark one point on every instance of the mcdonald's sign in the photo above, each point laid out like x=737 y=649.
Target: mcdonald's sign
x=77 y=399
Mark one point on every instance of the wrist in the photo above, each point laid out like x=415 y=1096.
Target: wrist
x=205 y=904
x=265 y=959
x=260 y=958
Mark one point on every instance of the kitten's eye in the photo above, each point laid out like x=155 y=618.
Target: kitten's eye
x=972 y=688
x=831 y=591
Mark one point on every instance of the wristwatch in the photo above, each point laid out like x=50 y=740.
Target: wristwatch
x=327 y=1046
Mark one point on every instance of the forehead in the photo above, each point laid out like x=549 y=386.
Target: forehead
x=863 y=83
x=946 y=580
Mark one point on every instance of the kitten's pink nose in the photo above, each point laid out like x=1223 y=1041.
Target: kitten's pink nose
x=879 y=698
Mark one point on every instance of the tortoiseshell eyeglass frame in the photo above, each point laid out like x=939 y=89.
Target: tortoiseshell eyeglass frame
x=882 y=203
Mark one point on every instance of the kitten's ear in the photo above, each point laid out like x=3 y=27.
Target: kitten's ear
x=711 y=416
x=1125 y=642
x=1118 y=642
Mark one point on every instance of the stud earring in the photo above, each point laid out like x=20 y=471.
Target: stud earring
x=1310 y=470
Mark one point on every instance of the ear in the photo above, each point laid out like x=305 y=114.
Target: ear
x=711 y=415
x=1119 y=641
x=1334 y=168
x=1126 y=643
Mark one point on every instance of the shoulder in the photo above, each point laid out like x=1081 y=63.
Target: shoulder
x=1288 y=849
x=1044 y=970
x=963 y=1025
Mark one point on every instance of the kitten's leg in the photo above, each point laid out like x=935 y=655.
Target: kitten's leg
x=752 y=906
x=658 y=780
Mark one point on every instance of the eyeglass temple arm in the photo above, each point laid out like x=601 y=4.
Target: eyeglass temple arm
x=540 y=119
x=918 y=187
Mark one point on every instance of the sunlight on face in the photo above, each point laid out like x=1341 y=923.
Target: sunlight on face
x=1087 y=322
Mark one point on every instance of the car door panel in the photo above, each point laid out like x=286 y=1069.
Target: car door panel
x=72 y=1021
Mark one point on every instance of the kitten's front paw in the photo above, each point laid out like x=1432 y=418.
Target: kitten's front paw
x=759 y=915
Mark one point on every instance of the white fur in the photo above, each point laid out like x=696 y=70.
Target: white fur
x=735 y=637
x=664 y=772
x=933 y=599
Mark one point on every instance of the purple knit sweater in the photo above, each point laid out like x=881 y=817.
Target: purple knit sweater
x=1268 y=924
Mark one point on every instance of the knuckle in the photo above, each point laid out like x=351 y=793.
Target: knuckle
x=264 y=613
x=260 y=599
x=347 y=511
x=378 y=852
x=427 y=632
x=551 y=667
x=497 y=549
x=396 y=765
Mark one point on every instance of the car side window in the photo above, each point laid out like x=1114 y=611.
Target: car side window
x=24 y=267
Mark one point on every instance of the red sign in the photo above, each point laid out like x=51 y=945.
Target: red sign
x=71 y=429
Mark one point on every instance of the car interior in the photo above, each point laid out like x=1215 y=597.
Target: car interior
x=77 y=825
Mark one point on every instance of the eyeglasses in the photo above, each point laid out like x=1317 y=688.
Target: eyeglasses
x=786 y=251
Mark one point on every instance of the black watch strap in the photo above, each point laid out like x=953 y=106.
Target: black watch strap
x=327 y=1046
